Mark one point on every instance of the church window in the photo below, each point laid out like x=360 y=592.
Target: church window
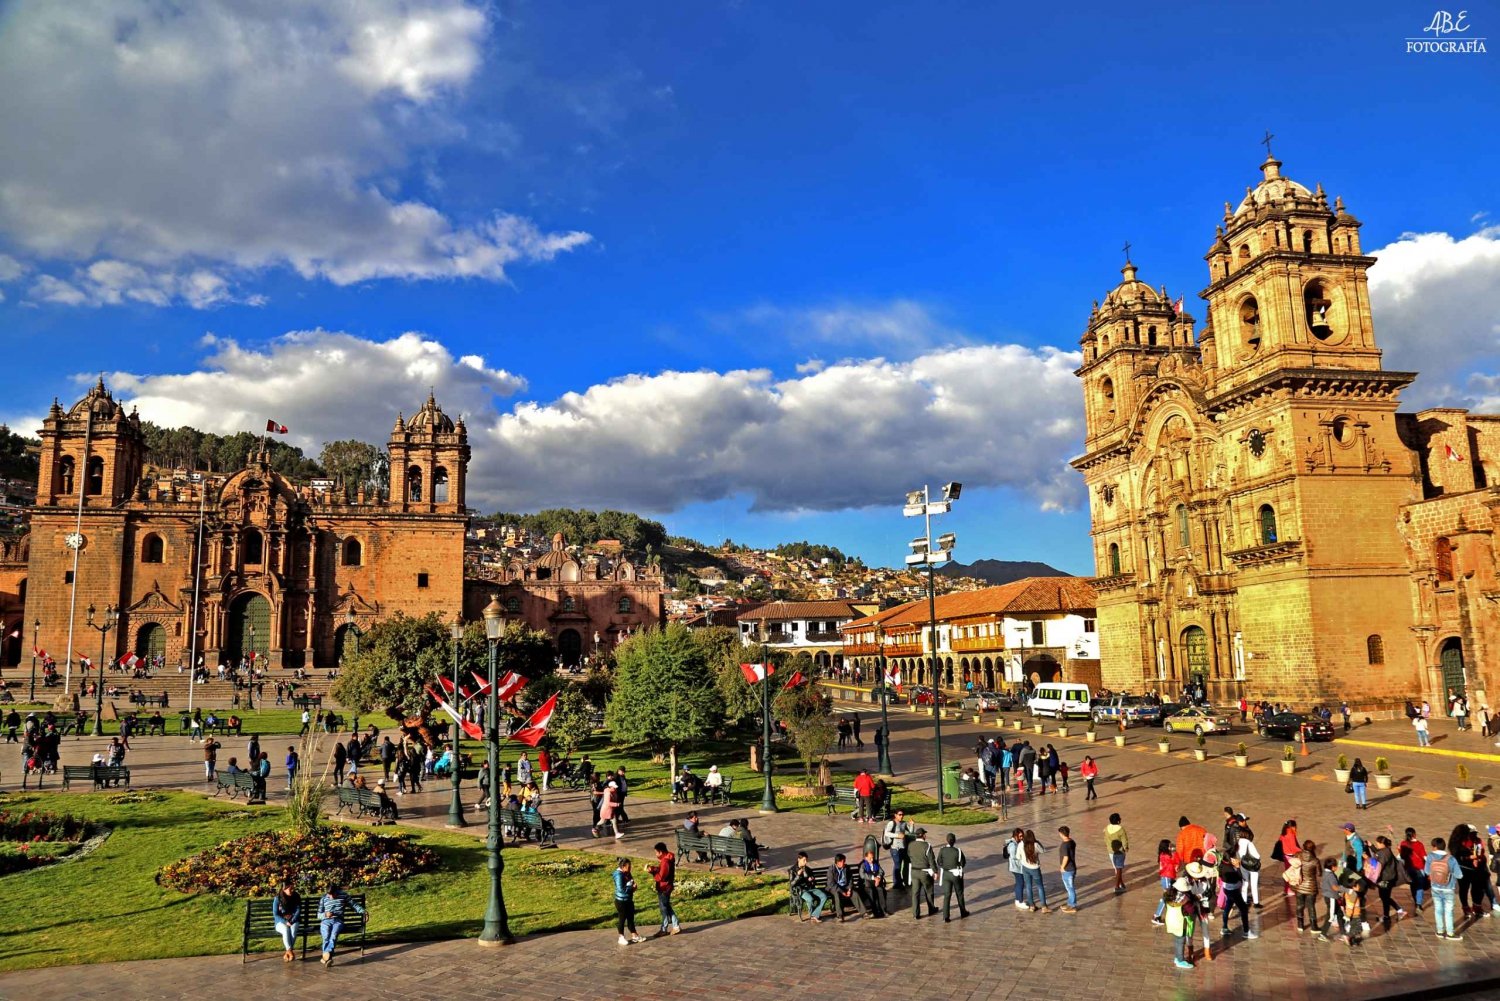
x=414 y=483
x=151 y=549
x=568 y=604
x=1038 y=634
x=1107 y=389
x=624 y=605
x=513 y=605
x=252 y=548
x=1114 y=558
x=440 y=485
x=1341 y=430
x=1317 y=303
x=1267 y=524
x=1442 y=558
x=1244 y=251
x=1375 y=650
x=422 y=580
x=95 y=481
x=354 y=553
x=1307 y=241
x=1250 y=323
x=65 y=475
x=1151 y=336
x=1183 y=538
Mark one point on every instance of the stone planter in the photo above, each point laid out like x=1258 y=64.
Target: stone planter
x=978 y=719
x=1242 y=761
x=1288 y=767
x=1062 y=731
x=1200 y=754
x=1464 y=794
x=1163 y=746
x=1016 y=724
x=1341 y=776
x=1090 y=736
x=1038 y=728
x=1119 y=740
x=1382 y=780
x=804 y=792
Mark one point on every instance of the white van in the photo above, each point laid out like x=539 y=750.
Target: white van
x=1060 y=699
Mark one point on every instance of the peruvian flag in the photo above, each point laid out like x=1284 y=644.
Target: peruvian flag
x=507 y=687
x=536 y=728
x=472 y=729
x=795 y=680
x=463 y=693
x=83 y=661
x=1177 y=306
x=757 y=672
x=484 y=684
x=893 y=678
x=1452 y=454
x=274 y=428
x=39 y=653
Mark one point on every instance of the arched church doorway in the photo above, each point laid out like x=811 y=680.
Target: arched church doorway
x=151 y=641
x=1043 y=668
x=569 y=647
x=249 y=618
x=1451 y=662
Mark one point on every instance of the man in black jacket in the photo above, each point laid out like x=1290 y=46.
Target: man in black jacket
x=841 y=888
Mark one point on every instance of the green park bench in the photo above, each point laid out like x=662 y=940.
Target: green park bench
x=260 y=922
x=98 y=775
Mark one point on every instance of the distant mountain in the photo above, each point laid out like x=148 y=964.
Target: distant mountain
x=1002 y=571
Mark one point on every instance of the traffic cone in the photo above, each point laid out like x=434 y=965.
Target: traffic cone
x=1302 y=733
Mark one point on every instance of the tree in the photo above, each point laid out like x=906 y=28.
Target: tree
x=741 y=699
x=664 y=691
x=686 y=584
x=807 y=714
x=355 y=463
x=571 y=725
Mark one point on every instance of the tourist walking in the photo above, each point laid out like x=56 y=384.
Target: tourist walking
x=1384 y=870
x=1067 y=868
x=1231 y=887
x=1359 y=777
x=1443 y=877
x=210 y=758
x=1302 y=876
x=291 y=767
x=1168 y=867
x=1090 y=771
x=1419 y=724
x=624 y=886
x=340 y=762
x=1117 y=843
x=1014 y=850
x=1332 y=893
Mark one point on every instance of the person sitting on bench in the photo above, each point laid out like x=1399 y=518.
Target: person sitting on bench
x=841 y=888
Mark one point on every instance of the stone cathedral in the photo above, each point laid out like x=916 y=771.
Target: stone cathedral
x=1252 y=486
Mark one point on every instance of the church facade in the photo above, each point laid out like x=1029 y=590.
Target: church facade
x=1264 y=519
x=286 y=570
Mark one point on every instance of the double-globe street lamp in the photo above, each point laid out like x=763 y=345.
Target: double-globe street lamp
x=456 y=807
x=496 y=923
x=883 y=760
x=925 y=552
x=36 y=632
x=110 y=619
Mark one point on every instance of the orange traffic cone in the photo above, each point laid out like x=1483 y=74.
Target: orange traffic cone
x=1302 y=733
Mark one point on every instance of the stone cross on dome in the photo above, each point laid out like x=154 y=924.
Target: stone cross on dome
x=1266 y=142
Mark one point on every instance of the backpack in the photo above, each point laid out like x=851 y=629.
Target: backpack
x=1439 y=871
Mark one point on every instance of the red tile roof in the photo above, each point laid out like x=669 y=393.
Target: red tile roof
x=803 y=610
x=1033 y=594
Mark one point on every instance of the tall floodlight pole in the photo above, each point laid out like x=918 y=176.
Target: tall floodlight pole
x=456 y=806
x=74 y=542
x=925 y=552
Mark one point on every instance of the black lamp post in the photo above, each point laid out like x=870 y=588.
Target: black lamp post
x=36 y=632
x=930 y=553
x=250 y=673
x=496 y=923
x=356 y=632
x=110 y=618
x=884 y=764
x=768 y=792
x=456 y=807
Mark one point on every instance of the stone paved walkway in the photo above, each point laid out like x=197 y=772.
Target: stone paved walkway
x=1107 y=950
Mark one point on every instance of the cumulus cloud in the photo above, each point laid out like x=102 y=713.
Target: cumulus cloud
x=898 y=327
x=188 y=146
x=850 y=435
x=1436 y=312
x=303 y=379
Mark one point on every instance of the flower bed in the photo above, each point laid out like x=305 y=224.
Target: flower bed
x=30 y=838
x=255 y=865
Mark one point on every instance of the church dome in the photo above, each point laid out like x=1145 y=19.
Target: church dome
x=98 y=400
x=1131 y=290
x=430 y=417
x=556 y=556
x=1274 y=189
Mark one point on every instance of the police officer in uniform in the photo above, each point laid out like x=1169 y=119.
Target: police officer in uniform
x=923 y=867
x=950 y=863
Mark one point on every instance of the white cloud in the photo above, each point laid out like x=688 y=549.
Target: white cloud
x=201 y=143
x=854 y=434
x=1437 y=312
x=10 y=268
x=305 y=379
x=899 y=327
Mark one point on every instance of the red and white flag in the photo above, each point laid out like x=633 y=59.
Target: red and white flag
x=83 y=661
x=757 y=672
x=795 y=680
x=472 y=729
x=536 y=727
x=274 y=428
x=1177 y=306
x=1452 y=454
x=893 y=678
x=39 y=653
x=130 y=660
x=14 y=634
x=463 y=693
x=484 y=684
x=507 y=687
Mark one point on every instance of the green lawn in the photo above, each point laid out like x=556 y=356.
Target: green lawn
x=652 y=781
x=108 y=907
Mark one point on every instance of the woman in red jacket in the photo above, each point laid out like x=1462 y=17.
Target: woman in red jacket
x=1168 y=864
x=1288 y=848
x=1090 y=771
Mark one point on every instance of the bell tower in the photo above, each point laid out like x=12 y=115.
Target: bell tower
x=429 y=462
x=96 y=447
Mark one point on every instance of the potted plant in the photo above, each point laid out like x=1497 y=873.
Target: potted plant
x=1341 y=769
x=1038 y=727
x=1091 y=734
x=1016 y=724
x=1382 y=773
x=1241 y=755
x=1120 y=739
x=1162 y=744
x=1288 y=759
x=1464 y=791
x=1201 y=752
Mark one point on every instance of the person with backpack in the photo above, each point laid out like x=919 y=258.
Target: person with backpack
x=1442 y=875
x=1179 y=910
x=1414 y=859
x=895 y=836
x=1231 y=887
x=1383 y=869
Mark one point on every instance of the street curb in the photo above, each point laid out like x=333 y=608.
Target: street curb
x=1439 y=751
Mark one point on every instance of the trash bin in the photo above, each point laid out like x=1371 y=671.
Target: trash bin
x=950 y=780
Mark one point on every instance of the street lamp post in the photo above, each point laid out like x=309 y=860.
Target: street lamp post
x=36 y=632
x=110 y=618
x=884 y=764
x=456 y=807
x=768 y=792
x=926 y=552
x=356 y=632
x=496 y=924
x=250 y=674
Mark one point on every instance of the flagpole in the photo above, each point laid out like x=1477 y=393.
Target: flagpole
x=768 y=795
x=197 y=579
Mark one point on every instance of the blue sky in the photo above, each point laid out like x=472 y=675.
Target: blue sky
x=756 y=269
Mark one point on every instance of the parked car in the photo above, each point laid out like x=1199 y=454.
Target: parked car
x=922 y=696
x=980 y=701
x=1059 y=700
x=1133 y=709
x=1197 y=719
x=1288 y=725
x=892 y=695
